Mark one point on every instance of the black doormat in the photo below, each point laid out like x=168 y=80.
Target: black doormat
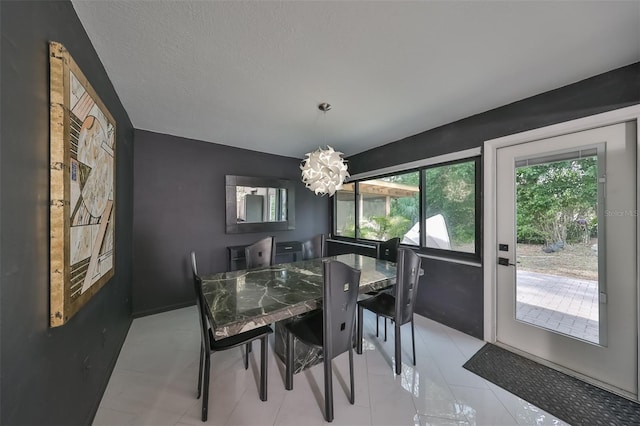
x=569 y=399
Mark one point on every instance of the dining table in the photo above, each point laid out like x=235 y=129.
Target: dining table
x=242 y=300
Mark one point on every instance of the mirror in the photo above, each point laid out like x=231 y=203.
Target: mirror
x=259 y=204
x=256 y=204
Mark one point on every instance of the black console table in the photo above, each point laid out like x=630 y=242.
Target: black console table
x=286 y=252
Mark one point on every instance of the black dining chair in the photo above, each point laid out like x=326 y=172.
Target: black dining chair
x=261 y=253
x=386 y=250
x=314 y=248
x=330 y=328
x=399 y=306
x=208 y=344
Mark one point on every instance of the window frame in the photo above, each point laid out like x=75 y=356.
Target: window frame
x=476 y=256
x=477 y=253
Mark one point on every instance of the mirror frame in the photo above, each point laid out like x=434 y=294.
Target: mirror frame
x=235 y=227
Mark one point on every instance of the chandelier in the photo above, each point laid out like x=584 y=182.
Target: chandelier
x=324 y=170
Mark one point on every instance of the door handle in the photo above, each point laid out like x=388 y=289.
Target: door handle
x=505 y=262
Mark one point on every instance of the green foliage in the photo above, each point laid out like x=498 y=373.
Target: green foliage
x=530 y=234
x=407 y=207
x=348 y=230
x=411 y=179
x=551 y=197
x=450 y=191
x=382 y=228
x=404 y=212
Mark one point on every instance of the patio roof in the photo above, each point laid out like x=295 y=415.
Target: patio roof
x=383 y=189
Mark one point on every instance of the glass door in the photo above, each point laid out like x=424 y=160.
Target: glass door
x=558 y=214
x=566 y=280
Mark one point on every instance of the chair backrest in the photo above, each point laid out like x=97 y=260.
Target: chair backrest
x=197 y=285
x=313 y=248
x=406 y=288
x=388 y=250
x=340 y=293
x=260 y=253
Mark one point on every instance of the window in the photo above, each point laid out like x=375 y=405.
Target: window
x=450 y=207
x=389 y=207
x=435 y=208
x=345 y=211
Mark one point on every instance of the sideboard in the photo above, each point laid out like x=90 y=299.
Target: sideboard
x=286 y=251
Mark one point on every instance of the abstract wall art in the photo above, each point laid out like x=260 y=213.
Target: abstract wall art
x=82 y=175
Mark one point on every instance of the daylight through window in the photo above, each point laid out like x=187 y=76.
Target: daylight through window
x=434 y=208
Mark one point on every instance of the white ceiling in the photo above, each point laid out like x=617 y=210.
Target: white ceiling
x=251 y=73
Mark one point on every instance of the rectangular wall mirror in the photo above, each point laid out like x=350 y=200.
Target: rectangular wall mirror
x=259 y=204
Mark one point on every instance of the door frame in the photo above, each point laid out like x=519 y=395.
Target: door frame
x=490 y=251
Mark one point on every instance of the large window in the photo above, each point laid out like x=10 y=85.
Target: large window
x=450 y=207
x=435 y=208
x=345 y=211
x=389 y=207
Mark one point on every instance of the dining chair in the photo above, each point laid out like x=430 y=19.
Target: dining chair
x=261 y=253
x=330 y=328
x=209 y=345
x=386 y=250
x=399 y=306
x=314 y=248
x=194 y=268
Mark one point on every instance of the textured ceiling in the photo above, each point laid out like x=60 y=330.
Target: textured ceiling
x=251 y=74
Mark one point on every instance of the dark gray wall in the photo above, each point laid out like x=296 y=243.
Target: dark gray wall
x=605 y=92
x=180 y=206
x=43 y=374
x=452 y=293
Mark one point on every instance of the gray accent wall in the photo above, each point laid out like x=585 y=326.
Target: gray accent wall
x=605 y=92
x=452 y=293
x=51 y=375
x=57 y=375
x=180 y=206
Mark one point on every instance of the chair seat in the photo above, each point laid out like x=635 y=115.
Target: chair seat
x=384 y=305
x=308 y=328
x=238 y=339
x=388 y=289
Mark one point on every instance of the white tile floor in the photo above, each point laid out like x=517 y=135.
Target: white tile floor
x=154 y=383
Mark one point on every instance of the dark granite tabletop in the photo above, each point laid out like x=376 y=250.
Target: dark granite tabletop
x=247 y=299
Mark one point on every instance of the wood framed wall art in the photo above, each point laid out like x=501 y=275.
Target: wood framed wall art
x=82 y=209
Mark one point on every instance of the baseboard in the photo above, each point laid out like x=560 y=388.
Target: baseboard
x=161 y=309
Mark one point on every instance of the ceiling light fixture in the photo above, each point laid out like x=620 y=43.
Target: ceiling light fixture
x=324 y=170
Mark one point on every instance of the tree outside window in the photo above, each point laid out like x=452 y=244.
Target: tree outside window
x=389 y=206
x=450 y=196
